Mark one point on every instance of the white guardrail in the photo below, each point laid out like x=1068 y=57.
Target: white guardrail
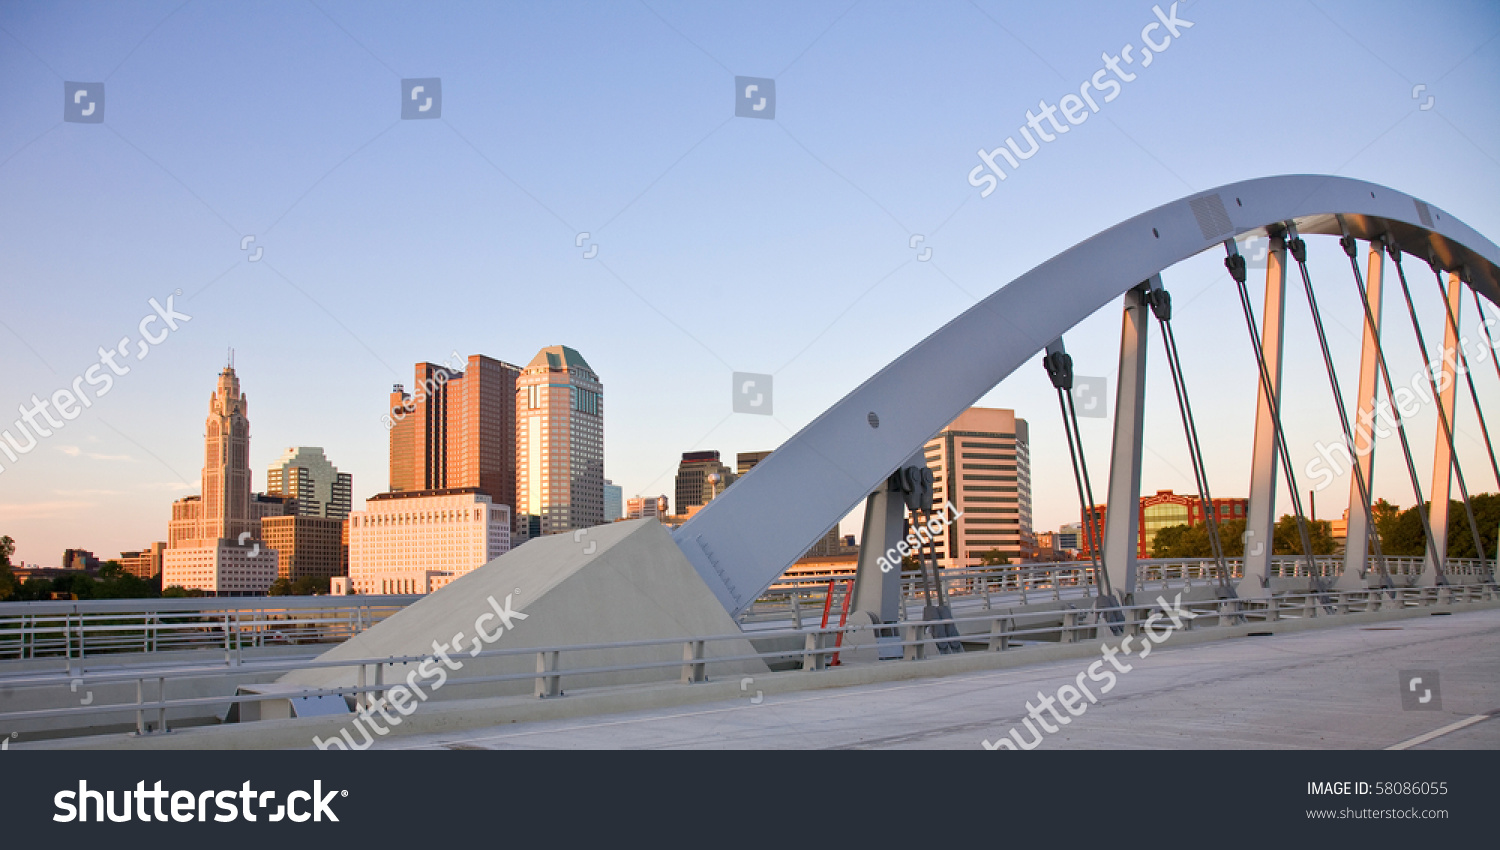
x=75 y=630
x=990 y=631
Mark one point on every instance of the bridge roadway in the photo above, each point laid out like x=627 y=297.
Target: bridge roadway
x=1329 y=688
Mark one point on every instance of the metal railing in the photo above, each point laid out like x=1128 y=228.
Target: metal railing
x=991 y=631
x=87 y=628
x=1061 y=580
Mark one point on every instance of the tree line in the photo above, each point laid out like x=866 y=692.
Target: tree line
x=113 y=581
x=1401 y=533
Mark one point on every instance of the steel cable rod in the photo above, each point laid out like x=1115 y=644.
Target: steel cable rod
x=1464 y=359
x=1195 y=448
x=1100 y=581
x=1236 y=265
x=1479 y=305
x=1088 y=489
x=1458 y=472
x=1350 y=249
x=1059 y=366
x=1298 y=249
x=1161 y=306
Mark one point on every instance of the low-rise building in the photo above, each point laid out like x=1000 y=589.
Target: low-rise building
x=420 y=540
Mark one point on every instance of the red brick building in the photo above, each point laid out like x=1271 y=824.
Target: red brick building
x=1162 y=510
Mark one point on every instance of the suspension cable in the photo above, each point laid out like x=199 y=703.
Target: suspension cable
x=1236 y=265
x=1351 y=250
x=1464 y=359
x=1479 y=305
x=1298 y=249
x=1458 y=472
x=1059 y=366
x=1161 y=306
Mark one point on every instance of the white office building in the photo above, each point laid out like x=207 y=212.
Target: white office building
x=418 y=541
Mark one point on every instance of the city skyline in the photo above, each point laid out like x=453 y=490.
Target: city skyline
x=588 y=183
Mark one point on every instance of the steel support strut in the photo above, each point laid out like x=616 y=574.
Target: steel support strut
x=1361 y=531
x=1377 y=264
x=1260 y=518
x=1434 y=573
x=1452 y=292
x=1122 y=524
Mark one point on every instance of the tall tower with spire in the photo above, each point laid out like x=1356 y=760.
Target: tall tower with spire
x=226 y=462
x=214 y=539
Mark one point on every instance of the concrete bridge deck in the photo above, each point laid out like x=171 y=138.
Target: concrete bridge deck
x=1329 y=688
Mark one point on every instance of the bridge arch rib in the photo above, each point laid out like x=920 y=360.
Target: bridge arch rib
x=745 y=538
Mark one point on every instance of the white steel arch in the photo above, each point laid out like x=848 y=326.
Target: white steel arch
x=745 y=538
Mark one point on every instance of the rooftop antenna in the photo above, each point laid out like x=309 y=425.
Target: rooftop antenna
x=231 y=358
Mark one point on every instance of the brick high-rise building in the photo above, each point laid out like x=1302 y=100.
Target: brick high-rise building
x=456 y=430
x=559 y=443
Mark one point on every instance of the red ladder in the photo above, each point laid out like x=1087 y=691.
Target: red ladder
x=843 y=615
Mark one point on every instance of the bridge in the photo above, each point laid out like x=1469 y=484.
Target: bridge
x=631 y=616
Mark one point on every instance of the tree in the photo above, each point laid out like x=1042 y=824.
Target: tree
x=993 y=558
x=8 y=584
x=115 y=582
x=1402 y=534
x=1192 y=541
x=1288 y=537
x=310 y=586
x=177 y=591
x=280 y=587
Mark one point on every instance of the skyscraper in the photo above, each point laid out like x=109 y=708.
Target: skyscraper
x=982 y=466
x=226 y=462
x=614 y=501
x=213 y=539
x=456 y=430
x=307 y=476
x=700 y=477
x=746 y=461
x=559 y=442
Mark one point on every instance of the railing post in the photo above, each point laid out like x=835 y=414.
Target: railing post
x=548 y=682
x=161 y=698
x=999 y=633
x=812 y=656
x=915 y=649
x=1069 y=624
x=694 y=669
x=140 y=710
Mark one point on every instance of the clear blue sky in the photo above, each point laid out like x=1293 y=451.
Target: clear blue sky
x=724 y=243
